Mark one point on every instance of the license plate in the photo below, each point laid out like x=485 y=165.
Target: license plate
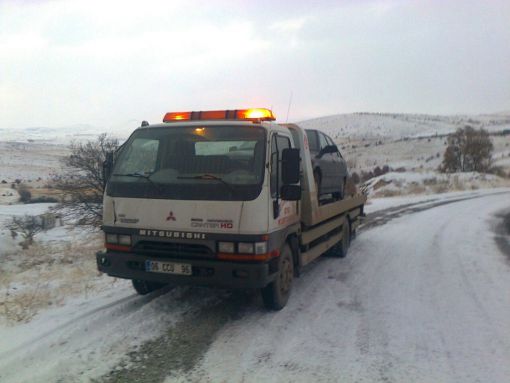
x=167 y=267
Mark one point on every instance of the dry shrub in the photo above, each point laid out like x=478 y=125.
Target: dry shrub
x=415 y=188
x=350 y=187
x=430 y=181
x=47 y=274
x=441 y=187
x=388 y=193
x=458 y=184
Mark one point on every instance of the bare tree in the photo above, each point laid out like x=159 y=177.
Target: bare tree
x=468 y=150
x=82 y=183
x=26 y=226
x=24 y=194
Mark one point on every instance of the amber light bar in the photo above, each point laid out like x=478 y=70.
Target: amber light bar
x=253 y=114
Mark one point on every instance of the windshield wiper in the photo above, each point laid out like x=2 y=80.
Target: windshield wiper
x=209 y=177
x=140 y=175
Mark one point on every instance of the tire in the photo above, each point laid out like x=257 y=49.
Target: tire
x=340 y=195
x=346 y=239
x=341 y=248
x=276 y=294
x=342 y=192
x=146 y=287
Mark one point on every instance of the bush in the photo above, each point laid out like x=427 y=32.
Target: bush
x=497 y=170
x=24 y=194
x=83 y=185
x=355 y=178
x=44 y=199
x=27 y=227
x=468 y=150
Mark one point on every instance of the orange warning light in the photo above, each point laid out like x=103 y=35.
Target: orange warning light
x=253 y=114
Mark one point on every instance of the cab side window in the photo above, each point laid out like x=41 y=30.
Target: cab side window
x=322 y=141
x=278 y=143
x=312 y=140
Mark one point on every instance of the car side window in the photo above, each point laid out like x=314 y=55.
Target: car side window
x=330 y=142
x=322 y=141
x=278 y=143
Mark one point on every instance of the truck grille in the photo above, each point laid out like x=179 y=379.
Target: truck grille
x=171 y=249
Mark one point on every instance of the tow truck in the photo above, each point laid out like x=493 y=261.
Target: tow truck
x=221 y=198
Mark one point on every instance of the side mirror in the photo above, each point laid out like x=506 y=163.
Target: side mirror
x=107 y=167
x=328 y=149
x=290 y=192
x=290 y=166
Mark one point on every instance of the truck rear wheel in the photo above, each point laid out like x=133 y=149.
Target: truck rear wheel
x=346 y=239
x=276 y=294
x=340 y=249
x=146 y=287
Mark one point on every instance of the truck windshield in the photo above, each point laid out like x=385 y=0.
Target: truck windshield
x=192 y=163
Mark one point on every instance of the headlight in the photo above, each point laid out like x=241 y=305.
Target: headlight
x=125 y=240
x=261 y=248
x=226 y=247
x=112 y=238
x=245 y=248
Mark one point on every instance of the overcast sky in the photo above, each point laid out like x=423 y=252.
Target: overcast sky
x=110 y=64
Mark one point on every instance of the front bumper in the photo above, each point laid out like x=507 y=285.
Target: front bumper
x=204 y=272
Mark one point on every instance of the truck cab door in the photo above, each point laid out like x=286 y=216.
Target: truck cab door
x=286 y=211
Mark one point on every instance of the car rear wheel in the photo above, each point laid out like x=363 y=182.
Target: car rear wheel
x=339 y=195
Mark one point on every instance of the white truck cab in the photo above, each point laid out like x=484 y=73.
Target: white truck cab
x=222 y=198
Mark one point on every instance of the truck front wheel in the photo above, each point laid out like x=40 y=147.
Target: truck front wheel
x=276 y=294
x=146 y=287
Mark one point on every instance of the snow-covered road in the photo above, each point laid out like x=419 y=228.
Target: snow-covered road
x=423 y=296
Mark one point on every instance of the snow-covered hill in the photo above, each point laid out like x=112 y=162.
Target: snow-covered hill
x=400 y=126
x=412 y=142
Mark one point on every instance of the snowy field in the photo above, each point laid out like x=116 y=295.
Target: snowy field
x=419 y=298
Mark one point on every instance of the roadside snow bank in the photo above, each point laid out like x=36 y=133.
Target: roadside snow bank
x=395 y=184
